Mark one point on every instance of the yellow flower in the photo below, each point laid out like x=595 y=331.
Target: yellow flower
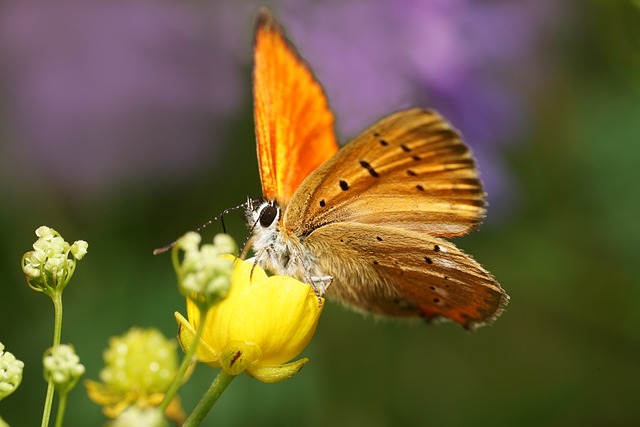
x=262 y=323
x=139 y=368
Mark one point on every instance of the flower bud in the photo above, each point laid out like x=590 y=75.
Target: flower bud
x=204 y=272
x=62 y=365
x=10 y=372
x=49 y=267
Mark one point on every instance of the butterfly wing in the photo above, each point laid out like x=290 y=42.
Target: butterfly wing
x=396 y=272
x=410 y=170
x=293 y=123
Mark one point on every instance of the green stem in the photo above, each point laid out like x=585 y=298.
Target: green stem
x=186 y=361
x=57 y=333
x=57 y=321
x=48 y=402
x=62 y=404
x=209 y=399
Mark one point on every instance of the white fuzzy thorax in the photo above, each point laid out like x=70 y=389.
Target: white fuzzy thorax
x=281 y=251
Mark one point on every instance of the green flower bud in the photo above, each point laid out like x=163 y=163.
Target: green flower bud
x=62 y=365
x=79 y=249
x=10 y=372
x=204 y=274
x=225 y=243
x=49 y=267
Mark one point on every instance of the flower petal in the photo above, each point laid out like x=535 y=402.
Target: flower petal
x=279 y=316
x=186 y=333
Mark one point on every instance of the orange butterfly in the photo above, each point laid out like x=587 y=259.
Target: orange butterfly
x=364 y=223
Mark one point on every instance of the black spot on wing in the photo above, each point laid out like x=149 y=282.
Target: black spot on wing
x=369 y=168
x=344 y=185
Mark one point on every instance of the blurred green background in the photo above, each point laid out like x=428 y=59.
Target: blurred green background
x=128 y=124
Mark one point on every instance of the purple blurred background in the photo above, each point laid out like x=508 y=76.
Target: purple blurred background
x=100 y=95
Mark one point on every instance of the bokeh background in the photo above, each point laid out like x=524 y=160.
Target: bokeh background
x=128 y=123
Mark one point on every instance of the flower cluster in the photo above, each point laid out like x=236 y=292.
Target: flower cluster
x=10 y=372
x=50 y=266
x=62 y=365
x=139 y=368
x=204 y=274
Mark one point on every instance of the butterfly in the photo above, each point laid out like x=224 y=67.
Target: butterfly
x=366 y=223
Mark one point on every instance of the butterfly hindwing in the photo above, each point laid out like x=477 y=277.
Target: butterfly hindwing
x=395 y=272
x=410 y=170
x=293 y=123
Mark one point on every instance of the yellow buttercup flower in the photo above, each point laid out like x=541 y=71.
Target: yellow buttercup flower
x=263 y=323
x=139 y=367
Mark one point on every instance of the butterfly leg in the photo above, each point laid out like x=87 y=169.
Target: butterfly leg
x=320 y=284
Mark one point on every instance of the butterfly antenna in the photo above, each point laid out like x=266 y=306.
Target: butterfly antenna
x=226 y=211
x=219 y=217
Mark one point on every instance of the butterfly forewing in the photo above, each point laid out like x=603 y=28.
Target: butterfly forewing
x=401 y=273
x=410 y=170
x=293 y=123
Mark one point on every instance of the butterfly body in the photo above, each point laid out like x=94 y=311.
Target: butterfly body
x=279 y=249
x=365 y=223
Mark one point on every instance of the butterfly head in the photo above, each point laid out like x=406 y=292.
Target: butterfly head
x=263 y=217
x=262 y=214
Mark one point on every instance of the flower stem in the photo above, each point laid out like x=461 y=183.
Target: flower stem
x=186 y=361
x=62 y=404
x=57 y=321
x=48 y=402
x=56 y=297
x=209 y=399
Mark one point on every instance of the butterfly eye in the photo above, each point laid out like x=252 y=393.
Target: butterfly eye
x=268 y=215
